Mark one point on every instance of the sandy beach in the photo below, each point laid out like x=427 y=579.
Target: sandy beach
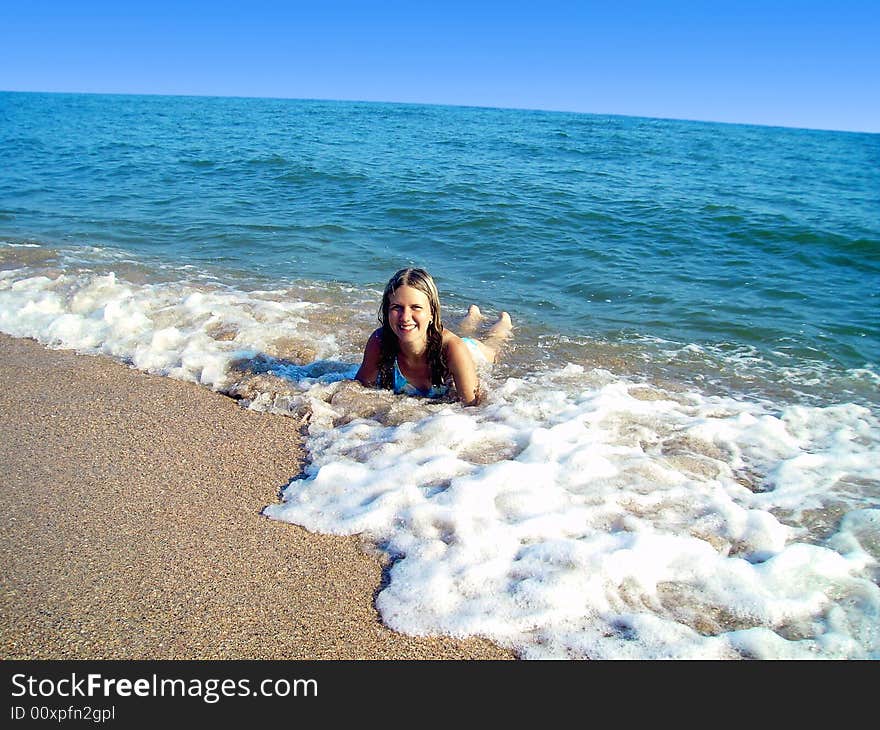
x=132 y=529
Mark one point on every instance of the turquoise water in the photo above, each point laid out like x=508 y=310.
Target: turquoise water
x=677 y=455
x=580 y=225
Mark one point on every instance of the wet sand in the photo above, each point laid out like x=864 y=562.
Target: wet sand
x=131 y=528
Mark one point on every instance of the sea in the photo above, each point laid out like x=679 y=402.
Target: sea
x=678 y=453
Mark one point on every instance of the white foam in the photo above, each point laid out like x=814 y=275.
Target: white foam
x=609 y=525
x=180 y=329
x=575 y=514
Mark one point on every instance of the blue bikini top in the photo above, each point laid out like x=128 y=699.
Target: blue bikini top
x=403 y=386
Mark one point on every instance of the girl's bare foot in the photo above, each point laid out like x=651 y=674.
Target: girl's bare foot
x=469 y=323
x=496 y=337
x=502 y=327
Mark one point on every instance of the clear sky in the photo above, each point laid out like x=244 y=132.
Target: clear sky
x=791 y=63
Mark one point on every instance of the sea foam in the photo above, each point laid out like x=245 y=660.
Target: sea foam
x=593 y=523
x=576 y=513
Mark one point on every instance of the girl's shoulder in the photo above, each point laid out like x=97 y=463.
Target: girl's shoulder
x=453 y=346
x=450 y=339
x=374 y=342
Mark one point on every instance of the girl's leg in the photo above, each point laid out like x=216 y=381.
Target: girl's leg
x=495 y=338
x=468 y=324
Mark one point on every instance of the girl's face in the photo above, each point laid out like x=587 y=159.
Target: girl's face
x=409 y=312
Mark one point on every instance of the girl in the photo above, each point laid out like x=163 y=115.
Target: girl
x=413 y=353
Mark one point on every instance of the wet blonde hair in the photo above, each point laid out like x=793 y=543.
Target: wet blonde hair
x=422 y=281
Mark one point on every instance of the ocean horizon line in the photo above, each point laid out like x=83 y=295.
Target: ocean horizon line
x=445 y=105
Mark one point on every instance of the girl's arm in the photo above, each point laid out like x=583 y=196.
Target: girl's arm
x=369 y=369
x=464 y=373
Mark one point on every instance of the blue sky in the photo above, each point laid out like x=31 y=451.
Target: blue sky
x=796 y=64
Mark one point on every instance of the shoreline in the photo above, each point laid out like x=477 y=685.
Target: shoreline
x=133 y=530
